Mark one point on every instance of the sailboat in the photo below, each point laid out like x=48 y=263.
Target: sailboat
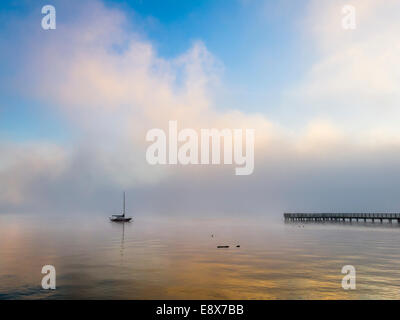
x=120 y=217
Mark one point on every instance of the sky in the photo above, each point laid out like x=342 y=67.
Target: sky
x=76 y=103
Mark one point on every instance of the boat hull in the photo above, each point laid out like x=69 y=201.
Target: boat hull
x=120 y=219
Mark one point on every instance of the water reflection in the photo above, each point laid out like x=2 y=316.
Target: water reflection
x=366 y=224
x=178 y=259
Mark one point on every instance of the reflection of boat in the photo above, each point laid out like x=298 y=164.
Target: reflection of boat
x=120 y=217
x=122 y=243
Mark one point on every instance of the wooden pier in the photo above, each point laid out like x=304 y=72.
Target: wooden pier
x=342 y=217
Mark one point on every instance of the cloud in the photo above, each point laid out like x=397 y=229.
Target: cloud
x=353 y=78
x=24 y=167
x=112 y=86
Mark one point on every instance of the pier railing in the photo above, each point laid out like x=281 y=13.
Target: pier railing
x=341 y=216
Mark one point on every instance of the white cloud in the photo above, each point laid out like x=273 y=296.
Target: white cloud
x=113 y=96
x=355 y=77
x=24 y=166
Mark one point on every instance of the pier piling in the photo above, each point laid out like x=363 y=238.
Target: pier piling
x=342 y=217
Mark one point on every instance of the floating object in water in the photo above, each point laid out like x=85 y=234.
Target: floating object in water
x=120 y=217
x=238 y=246
x=212 y=236
x=220 y=247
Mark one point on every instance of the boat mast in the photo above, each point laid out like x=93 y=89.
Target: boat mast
x=123 y=213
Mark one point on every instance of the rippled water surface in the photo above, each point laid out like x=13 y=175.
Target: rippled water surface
x=179 y=259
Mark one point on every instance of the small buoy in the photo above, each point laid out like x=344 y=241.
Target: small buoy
x=219 y=247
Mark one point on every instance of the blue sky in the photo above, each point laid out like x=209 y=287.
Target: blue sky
x=76 y=102
x=257 y=43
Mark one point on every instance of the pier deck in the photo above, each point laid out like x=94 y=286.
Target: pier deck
x=342 y=217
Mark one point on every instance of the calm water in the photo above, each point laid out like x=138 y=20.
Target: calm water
x=178 y=259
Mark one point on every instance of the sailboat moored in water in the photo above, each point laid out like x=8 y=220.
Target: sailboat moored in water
x=120 y=217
